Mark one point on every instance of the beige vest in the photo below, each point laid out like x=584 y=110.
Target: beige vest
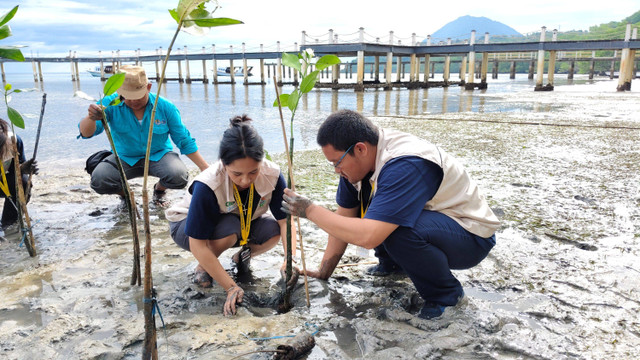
x=216 y=178
x=458 y=196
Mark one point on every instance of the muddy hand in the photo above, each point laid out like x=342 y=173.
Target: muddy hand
x=295 y=204
x=95 y=112
x=234 y=296
x=29 y=166
x=295 y=274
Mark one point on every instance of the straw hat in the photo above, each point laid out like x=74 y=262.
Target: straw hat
x=135 y=82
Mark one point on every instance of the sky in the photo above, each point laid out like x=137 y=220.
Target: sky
x=54 y=27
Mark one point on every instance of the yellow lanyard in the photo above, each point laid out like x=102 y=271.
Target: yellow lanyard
x=4 y=186
x=245 y=224
x=363 y=210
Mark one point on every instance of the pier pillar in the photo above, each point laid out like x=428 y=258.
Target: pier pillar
x=551 y=68
x=512 y=70
x=388 y=67
x=214 y=64
x=469 y=84
x=376 y=69
x=427 y=63
x=613 y=64
x=40 y=71
x=626 y=64
x=360 y=72
x=186 y=62
x=262 y=66
x=494 y=69
x=572 y=69
x=75 y=65
x=205 y=79
x=4 y=77
x=540 y=72
x=447 y=66
x=463 y=69
x=232 y=69
x=532 y=65
x=433 y=70
x=592 y=65
x=399 y=73
x=35 y=73
x=245 y=68
x=73 y=73
x=484 y=65
x=159 y=55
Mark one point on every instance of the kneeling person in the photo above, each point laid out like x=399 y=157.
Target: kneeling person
x=227 y=207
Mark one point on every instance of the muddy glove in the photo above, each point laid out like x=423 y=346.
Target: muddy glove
x=234 y=296
x=29 y=166
x=295 y=204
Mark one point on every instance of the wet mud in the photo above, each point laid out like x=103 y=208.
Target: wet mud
x=562 y=282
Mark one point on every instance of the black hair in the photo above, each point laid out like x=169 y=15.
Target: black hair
x=4 y=131
x=344 y=128
x=241 y=140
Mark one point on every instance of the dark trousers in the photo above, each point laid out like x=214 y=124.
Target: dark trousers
x=429 y=251
x=9 y=212
x=172 y=172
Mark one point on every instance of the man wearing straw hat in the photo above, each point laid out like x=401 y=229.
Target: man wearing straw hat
x=129 y=123
x=405 y=197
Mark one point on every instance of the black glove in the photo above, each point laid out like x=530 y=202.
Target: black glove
x=29 y=167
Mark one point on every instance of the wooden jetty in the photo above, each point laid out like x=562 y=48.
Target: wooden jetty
x=472 y=59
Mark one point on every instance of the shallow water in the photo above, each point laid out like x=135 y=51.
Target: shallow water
x=561 y=170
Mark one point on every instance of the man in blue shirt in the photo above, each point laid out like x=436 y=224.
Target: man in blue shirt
x=129 y=123
x=405 y=197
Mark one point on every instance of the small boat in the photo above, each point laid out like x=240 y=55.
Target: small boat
x=237 y=71
x=108 y=71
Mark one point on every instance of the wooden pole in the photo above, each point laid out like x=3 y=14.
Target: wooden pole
x=427 y=60
x=387 y=70
x=232 y=69
x=205 y=79
x=278 y=65
x=4 y=77
x=215 y=64
x=35 y=73
x=245 y=69
x=262 y=67
x=73 y=76
x=39 y=71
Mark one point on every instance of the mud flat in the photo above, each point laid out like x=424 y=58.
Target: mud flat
x=562 y=282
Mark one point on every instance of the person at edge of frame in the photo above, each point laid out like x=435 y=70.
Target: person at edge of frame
x=129 y=122
x=407 y=199
x=9 y=210
x=227 y=206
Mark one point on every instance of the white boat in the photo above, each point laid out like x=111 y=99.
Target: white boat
x=108 y=71
x=237 y=71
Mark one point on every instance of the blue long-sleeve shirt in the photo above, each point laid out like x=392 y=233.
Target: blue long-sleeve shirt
x=130 y=135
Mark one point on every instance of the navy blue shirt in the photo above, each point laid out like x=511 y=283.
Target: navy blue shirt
x=405 y=184
x=204 y=210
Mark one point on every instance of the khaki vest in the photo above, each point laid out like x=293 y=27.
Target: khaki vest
x=458 y=196
x=216 y=178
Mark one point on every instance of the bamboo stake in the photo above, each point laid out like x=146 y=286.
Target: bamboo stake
x=35 y=147
x=290 y=164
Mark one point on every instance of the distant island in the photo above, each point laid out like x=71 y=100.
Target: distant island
x=460 y=29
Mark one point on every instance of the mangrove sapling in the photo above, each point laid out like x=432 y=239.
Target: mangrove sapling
x=35 y=147
x=14 y=53
x=110 y=87
x=192 y=17
x=301 y=63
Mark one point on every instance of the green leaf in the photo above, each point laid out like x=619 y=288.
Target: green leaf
x=185 y=7
x=284 y=100
x=326 y=61
x=5 y=31
x=115 y=101
x=266 y=155
x=7 y=87
x=15 y=117
x=293 y=100
x=291 y=60
x=17 y=91
x=11 y=52
x=211 y=22
x=113 y=84
x=8 y=16
x=174 y=15
x=309 y=82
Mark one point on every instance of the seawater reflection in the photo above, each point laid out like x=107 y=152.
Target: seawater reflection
x=207 y=108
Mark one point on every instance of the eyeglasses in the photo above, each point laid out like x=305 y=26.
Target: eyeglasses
x=337 y=164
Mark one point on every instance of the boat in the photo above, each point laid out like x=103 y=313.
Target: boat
x=237 y=71
x=108 y=71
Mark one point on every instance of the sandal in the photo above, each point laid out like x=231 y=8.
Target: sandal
x=242 y=259
x=202 y=278
x=159 y=197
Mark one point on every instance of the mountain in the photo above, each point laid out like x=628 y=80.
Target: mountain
x=460 y=29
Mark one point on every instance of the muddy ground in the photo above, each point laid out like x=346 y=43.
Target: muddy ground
x=562 y=282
